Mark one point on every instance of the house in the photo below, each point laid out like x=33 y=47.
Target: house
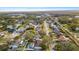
x=31 y=45
x=10 y=26
x=76 y=16
x=37 y=41
x=56 y=29
x=20 y=21
x=37 y=37
x=77 y=28
x=37 y=48
x=17 y=25
x=20 y=30
x=49 y=21
x=70 y=18
x=37 y=27
x=76 y=35
x=2 y=34
x=63 y=38
x=1 y=26
x=13 y=47
x=38 y=16
x=14 y=34
x=27 y=26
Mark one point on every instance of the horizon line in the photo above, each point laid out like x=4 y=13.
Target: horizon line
x=37 y=8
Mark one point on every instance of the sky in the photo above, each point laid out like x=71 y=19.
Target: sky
x=70 y=1
x=38 y=5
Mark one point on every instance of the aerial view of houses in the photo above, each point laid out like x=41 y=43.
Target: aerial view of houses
x=39 y=31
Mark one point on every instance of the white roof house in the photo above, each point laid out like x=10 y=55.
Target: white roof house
x=1 y=33
x=77 y=29
x=38 y=16
x=76 y=16
x=10 y=26
x=14 y=34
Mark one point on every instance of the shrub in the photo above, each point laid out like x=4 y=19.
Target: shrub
x=66 y=46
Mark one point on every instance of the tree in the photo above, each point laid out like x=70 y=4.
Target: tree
x=66 y=46
x=46 y=43
x=30 y=34
x=64 y=20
